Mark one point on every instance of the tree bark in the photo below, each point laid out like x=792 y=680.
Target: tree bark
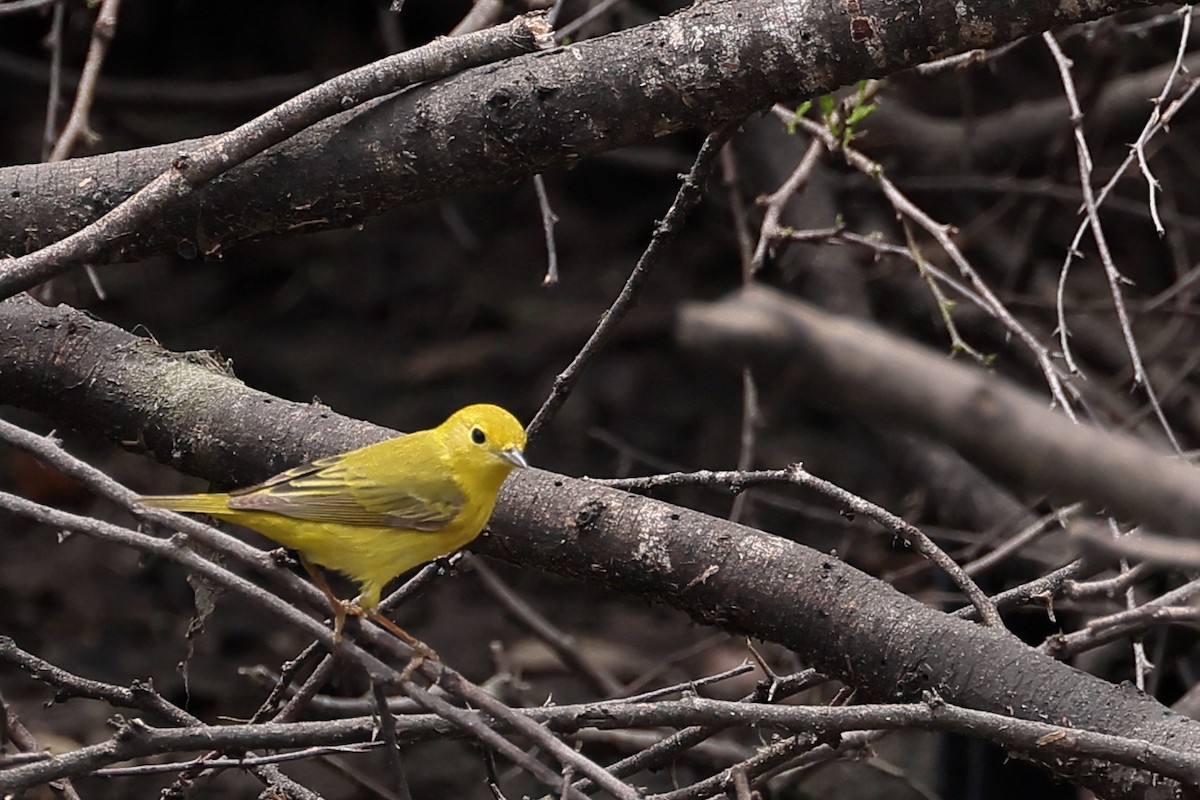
x=92 y=376
x=713 y=62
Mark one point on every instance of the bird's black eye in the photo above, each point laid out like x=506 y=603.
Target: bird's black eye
x=477 y=436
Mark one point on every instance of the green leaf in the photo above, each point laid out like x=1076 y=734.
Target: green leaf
x=801 y=110
x=859 y=113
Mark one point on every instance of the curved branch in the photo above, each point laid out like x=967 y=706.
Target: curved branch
x=708 y=64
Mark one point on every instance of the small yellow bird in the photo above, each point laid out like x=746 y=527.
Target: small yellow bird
x=381 y=510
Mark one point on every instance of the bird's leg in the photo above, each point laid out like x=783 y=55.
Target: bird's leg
x=343 y=608
x=339 y=606
x=421 y=650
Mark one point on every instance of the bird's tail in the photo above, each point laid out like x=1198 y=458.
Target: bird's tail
x=192 y=503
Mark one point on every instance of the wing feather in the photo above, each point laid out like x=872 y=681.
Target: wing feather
x=327 y=490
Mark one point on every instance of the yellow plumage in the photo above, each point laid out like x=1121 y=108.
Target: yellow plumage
x=376 y=512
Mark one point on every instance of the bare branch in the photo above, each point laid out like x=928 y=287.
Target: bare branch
x=77 y=123
x=688 y=196
x=191 y=170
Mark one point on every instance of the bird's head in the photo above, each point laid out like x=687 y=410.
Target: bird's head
x=487 y=436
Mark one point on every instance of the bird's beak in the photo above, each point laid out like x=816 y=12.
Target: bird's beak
x=514 y=456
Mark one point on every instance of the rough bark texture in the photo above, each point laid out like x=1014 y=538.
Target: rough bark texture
x=104 y=381
x=95 y=377
x=710 y=63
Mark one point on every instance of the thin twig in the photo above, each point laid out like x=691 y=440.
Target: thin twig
x=563 y=645
x=1106 y=629
x=747 y=439
x=339 y=707
x=766 y=759
x=737 y=208
x=777 y=200
x=942 y=235
x=1021 y=538
x=735 y=480
x=1072 y=250
x=328 y=665
x=476 y=726
x=945 y=306
x=595 y=11
x=1111 y=272
x=688 y=196
x=912 y=535
x=669 y=748
x=78 y=126
x=141 y=696
x=54 y=40
x=689 y=687
x=14 y=731
x=565 y=754
x=283 y=680
x=1043 y=588
x=77 y=123
x=212 y=764
x=881 y=248
x=549 y=219
x=1084 y=159
x=1106 y=587
x=387 y=724
x=1139 y=147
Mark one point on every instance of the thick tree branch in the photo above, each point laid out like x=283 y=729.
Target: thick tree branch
x=710 y=63
x=890 y=647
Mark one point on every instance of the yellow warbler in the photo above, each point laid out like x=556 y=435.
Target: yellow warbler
x=378 y=511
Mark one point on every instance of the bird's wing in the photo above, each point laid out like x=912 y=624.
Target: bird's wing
x=328 y=490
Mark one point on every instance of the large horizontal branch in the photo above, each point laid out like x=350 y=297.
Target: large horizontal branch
x=97 y=378
x=707 y=64
x=861 y=370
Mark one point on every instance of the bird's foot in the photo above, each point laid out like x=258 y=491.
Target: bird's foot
x=341 y=610
x=421 y=651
